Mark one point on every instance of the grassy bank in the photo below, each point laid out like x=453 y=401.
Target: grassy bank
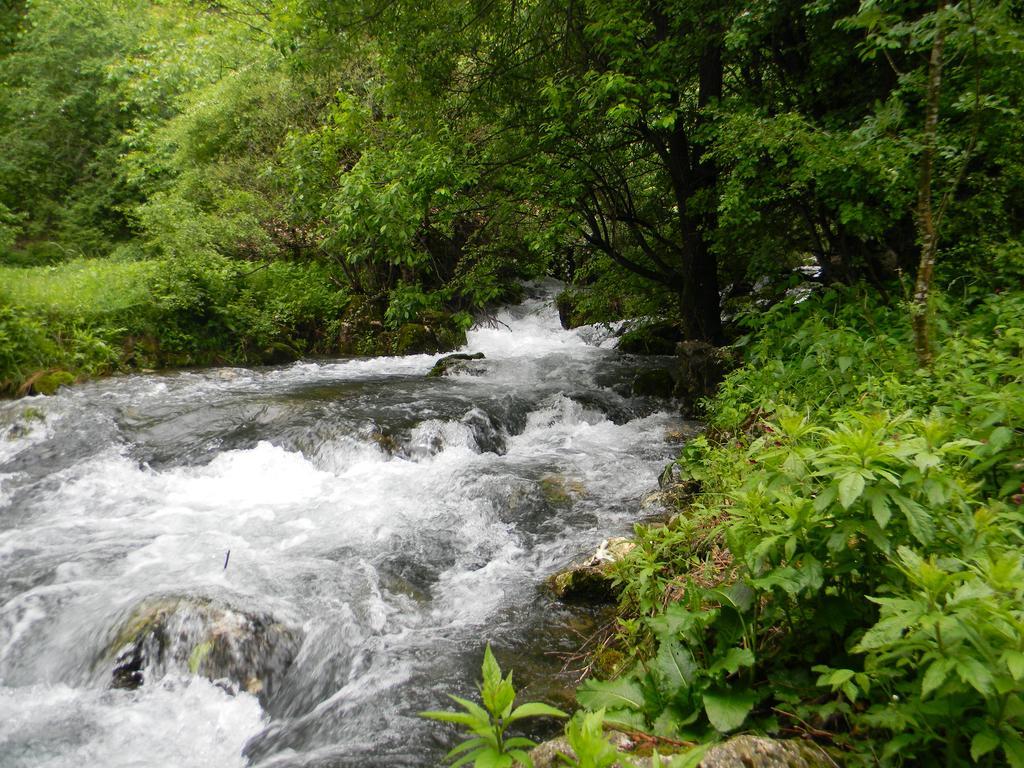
x=92 y=317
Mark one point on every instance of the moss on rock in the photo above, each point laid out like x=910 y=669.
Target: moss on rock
x=658 y=338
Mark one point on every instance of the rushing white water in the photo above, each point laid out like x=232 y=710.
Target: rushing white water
x=386 y=523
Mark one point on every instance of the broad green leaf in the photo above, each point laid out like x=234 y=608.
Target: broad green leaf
x=975 y=674
x=983 y=743
x=935 y=676
x=1015 y=663
x=630 y=719
x=534 y=709
x=472 y=707
x=728 y=710
x=467 y=744
x=469 y=757
x=674 y=667
x=493 y=759
x=999 y=438
x=880 y=508
x=733 y=660
x=850 y=489
x=1013 y=748
x=491 y=670
x=461 y=718
x=919 y=520
x=623 y=693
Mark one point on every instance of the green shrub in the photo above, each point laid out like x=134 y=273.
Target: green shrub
x=851 y=567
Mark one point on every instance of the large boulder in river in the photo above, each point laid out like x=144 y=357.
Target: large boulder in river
x=202 y=637
x=590 y=580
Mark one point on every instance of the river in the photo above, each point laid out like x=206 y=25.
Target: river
x=390 y=523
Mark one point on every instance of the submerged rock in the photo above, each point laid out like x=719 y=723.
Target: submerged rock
x=559 y=490
x=203 y=637
x=590 y=580
x=457 y=363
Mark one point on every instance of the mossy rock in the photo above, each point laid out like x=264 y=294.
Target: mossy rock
x=455 y=363
x=590 y=580
x=659 y=338
x=450 y=336
x=48 y=382
x=361 y=330
x=141 y=351
x=559 y=490
x=416 y=338
x=278 y=353
x=569 y=315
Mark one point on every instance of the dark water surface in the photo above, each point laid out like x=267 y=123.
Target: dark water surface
x=392 y=522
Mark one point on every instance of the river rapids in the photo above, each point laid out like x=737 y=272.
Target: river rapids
x=388 y=523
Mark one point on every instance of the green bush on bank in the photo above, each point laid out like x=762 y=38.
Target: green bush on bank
x=851 y=568
x=92 y=317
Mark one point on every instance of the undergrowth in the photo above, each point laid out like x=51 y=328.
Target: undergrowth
x=850 y=570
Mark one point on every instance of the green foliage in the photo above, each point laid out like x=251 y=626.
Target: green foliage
x=585 y=735
x=92 y=317
x=833 y=471
x=489 y=744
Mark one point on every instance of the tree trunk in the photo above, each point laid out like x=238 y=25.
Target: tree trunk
x=927 y=231
x=694 y=176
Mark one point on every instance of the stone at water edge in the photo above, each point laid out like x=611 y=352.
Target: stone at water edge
x=590 y=580
x=546 y=754
x=762 y=752
x=738 y=752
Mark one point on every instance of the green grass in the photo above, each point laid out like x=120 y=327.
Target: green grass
x=81 y=288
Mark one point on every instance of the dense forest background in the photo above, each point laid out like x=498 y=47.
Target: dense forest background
x=266 y=179
x=835 y=189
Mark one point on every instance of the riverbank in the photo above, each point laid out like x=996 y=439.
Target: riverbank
x=91 y=317
x=843 y=563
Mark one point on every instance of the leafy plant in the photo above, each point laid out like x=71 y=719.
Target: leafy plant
x=490 y=746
